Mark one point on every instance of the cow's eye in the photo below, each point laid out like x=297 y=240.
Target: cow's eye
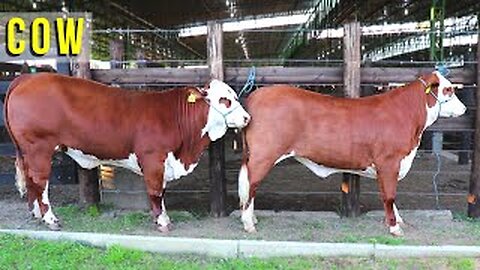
x=449 y=91
x=225 y=101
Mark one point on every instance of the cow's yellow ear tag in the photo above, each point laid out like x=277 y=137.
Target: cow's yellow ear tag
x=191 y=98
x=427 y=90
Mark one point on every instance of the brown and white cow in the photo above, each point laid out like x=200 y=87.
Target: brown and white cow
x=159 y=135
x=375 y=136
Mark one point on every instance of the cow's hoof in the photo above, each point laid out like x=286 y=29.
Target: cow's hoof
x=164 y=228
x=396 y=231
x=55 y=226
x=251 y=229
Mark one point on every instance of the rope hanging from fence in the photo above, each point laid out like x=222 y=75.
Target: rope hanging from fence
x=249 y=84
x=442 y=69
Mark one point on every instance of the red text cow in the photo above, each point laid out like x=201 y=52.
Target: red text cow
x=375 y=136
x=159 y=135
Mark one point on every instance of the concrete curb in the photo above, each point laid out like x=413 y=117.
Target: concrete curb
x=251 y=248
x=290 y=214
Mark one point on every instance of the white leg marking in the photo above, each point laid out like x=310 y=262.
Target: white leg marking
x=165 y=217
x=243 y=186
x=49 y=217
x=36 y=210
x=397 y=214
x=248 y=218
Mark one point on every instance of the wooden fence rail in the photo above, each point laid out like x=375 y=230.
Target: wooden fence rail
x=270 y=75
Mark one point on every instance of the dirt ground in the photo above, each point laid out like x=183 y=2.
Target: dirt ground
x=289 y=186
x=420 y=228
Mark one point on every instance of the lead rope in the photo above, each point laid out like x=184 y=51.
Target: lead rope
x=434 y=179
x=248 y=87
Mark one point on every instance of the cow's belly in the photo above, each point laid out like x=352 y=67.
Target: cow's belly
x=173 y=167
x=89 y=161
x=369 y=172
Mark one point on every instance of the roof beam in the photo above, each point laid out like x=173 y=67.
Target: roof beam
x=321 y=10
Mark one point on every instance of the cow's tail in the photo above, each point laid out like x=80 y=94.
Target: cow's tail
x=21 y=181
x=243 y=181
x=20 y=178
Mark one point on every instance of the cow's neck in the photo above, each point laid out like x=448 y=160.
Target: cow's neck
x=420 y=110
x=432 y=114
x=191 y=119
x=431 y=103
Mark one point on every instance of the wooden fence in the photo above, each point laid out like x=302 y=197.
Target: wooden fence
x=297 y=75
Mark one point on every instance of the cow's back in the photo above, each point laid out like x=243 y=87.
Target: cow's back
x=79 y=113
x=333 y=129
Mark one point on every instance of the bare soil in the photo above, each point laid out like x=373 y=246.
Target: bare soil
x=289 y=186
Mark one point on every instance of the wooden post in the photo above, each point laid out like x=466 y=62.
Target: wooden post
x=140 y=57
x=218 y=181
x=116 y=53
x=88 y=179
x=351 y=78
x=473 y=198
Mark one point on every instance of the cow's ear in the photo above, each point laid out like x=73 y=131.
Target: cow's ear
x=434 y=79
x=203 y=91
x=207 y=85
x=193 y=95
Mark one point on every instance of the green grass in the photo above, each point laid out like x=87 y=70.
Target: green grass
x=380 y=239
x=24 y=253
x=106 y=220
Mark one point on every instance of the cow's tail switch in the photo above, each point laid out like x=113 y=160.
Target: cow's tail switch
x=243 y=182
x=21 y=182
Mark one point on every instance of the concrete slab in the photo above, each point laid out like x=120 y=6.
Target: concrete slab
x=251 y=248
x=406 y=214
x=385 y=251
x=291 y=214
x=174 y=245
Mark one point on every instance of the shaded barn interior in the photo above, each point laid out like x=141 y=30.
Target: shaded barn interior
x=142 y=35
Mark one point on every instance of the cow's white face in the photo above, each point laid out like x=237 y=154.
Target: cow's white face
x=450 y=105
x=225 y=110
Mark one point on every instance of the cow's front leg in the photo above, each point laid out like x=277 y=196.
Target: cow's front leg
x=397 y=215
x=36 y=178
x=164 y=218
x=387 y=181
x=153 y=173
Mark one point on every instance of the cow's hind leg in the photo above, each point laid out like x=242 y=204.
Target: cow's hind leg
x=251 y=173
x=387 y=181
x=38 y=168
